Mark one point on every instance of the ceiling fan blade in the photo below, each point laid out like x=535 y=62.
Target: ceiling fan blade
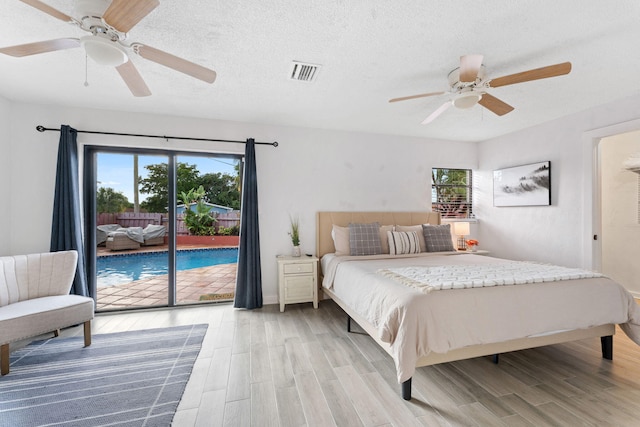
x=423 y=95
x=495 y=105
x=48 y=10
x=436 y=113
x=40 y=47
x=536 y=74
x=469 y=67
x=178 y=64
x=123 y=15
x=133 y=79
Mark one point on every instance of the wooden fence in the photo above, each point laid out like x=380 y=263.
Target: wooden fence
x=131 y=219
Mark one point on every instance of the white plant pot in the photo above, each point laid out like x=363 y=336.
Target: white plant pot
x=296 y=251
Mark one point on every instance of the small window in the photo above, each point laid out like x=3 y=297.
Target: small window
x=451 y=193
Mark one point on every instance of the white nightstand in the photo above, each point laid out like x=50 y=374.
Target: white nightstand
x=478 y=252
x=297 y=280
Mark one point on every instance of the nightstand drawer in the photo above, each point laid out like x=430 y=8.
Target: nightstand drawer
x=298 y=268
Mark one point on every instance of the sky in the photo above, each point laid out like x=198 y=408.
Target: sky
x=116 y=170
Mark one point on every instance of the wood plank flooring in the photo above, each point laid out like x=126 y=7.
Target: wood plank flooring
x=301 y=368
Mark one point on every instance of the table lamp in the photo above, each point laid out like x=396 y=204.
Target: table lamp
x=461 y=229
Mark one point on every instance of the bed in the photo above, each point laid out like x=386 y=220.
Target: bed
x=419 y=327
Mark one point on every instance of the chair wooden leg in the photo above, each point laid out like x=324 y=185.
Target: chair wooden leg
x=56 y=333
x=4 y=359
x=87 y=333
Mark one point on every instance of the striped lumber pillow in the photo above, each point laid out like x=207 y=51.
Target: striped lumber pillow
x=403 y=242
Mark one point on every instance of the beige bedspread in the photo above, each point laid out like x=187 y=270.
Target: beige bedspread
x=415 y=323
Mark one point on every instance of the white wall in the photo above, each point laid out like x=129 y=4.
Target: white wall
x=316 y=170
x=311 y=170
x=561 y=233
x=5 y=176
x=620 y=227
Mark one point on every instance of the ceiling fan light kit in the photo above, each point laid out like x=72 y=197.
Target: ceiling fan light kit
x=109 y=21
x=104 y=51
x=468 y=86
x=466 y=100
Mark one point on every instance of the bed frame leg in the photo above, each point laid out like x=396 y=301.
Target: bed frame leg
x=406 y=389
x=496 y=358
x=607 y=347
x=348 y=323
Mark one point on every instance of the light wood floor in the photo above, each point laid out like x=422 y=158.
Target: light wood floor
x=301 y=367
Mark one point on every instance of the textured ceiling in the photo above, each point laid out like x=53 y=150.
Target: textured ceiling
x=370 y=51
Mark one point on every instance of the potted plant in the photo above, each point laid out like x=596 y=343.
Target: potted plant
x=295 y=235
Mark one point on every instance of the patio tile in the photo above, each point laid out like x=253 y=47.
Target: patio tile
x=190 y=285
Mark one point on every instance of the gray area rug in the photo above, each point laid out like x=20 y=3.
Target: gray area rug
x=126 y=379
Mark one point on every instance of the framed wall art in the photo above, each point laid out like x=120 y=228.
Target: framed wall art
x=526 y=185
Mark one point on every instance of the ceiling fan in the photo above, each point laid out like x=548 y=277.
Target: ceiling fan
x=469 y=84
x=108 y=23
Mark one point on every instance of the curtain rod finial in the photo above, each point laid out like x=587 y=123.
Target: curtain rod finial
x=40 y=128
x=275 y=143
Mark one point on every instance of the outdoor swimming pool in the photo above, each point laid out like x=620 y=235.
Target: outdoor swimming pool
x=120 y=269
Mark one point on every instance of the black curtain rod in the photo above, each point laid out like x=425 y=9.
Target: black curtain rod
x=275 y=143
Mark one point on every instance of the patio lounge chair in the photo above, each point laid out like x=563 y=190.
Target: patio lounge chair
x=119 y=240
x=153 y=235
x=134 y=237
x=103 y=231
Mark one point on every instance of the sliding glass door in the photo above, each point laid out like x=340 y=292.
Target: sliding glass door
x=161 y=227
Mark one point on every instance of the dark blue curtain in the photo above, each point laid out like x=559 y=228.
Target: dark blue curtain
x=66 y=229
x=249 y=277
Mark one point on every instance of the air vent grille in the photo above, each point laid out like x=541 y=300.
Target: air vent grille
x=303 y=72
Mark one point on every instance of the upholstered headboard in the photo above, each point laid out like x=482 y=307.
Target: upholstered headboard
x=326 y=220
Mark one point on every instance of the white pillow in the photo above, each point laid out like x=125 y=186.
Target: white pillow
x=384 y=239
x=418 y=230
x=403 y=242
x=340 y=237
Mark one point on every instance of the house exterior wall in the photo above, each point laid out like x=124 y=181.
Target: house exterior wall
x=212 y=208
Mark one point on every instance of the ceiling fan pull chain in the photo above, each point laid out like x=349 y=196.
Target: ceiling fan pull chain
x=86 y=70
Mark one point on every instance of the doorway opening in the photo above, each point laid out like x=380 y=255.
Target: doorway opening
x=619 y=211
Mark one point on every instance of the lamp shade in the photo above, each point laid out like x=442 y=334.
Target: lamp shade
x=461 y=228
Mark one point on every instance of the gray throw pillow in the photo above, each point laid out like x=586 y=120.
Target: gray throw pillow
x=438 y=238
x=364 y=239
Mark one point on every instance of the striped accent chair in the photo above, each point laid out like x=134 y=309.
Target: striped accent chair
x=34 y=299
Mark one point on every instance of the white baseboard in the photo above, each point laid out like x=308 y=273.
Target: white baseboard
x=270 y=299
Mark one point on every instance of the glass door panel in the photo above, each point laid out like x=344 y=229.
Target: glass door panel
x=207 y=228
x=132 y=219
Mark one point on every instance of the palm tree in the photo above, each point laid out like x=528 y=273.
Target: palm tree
x=136 y=195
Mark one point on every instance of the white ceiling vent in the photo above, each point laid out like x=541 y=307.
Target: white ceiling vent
x=303 y=72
